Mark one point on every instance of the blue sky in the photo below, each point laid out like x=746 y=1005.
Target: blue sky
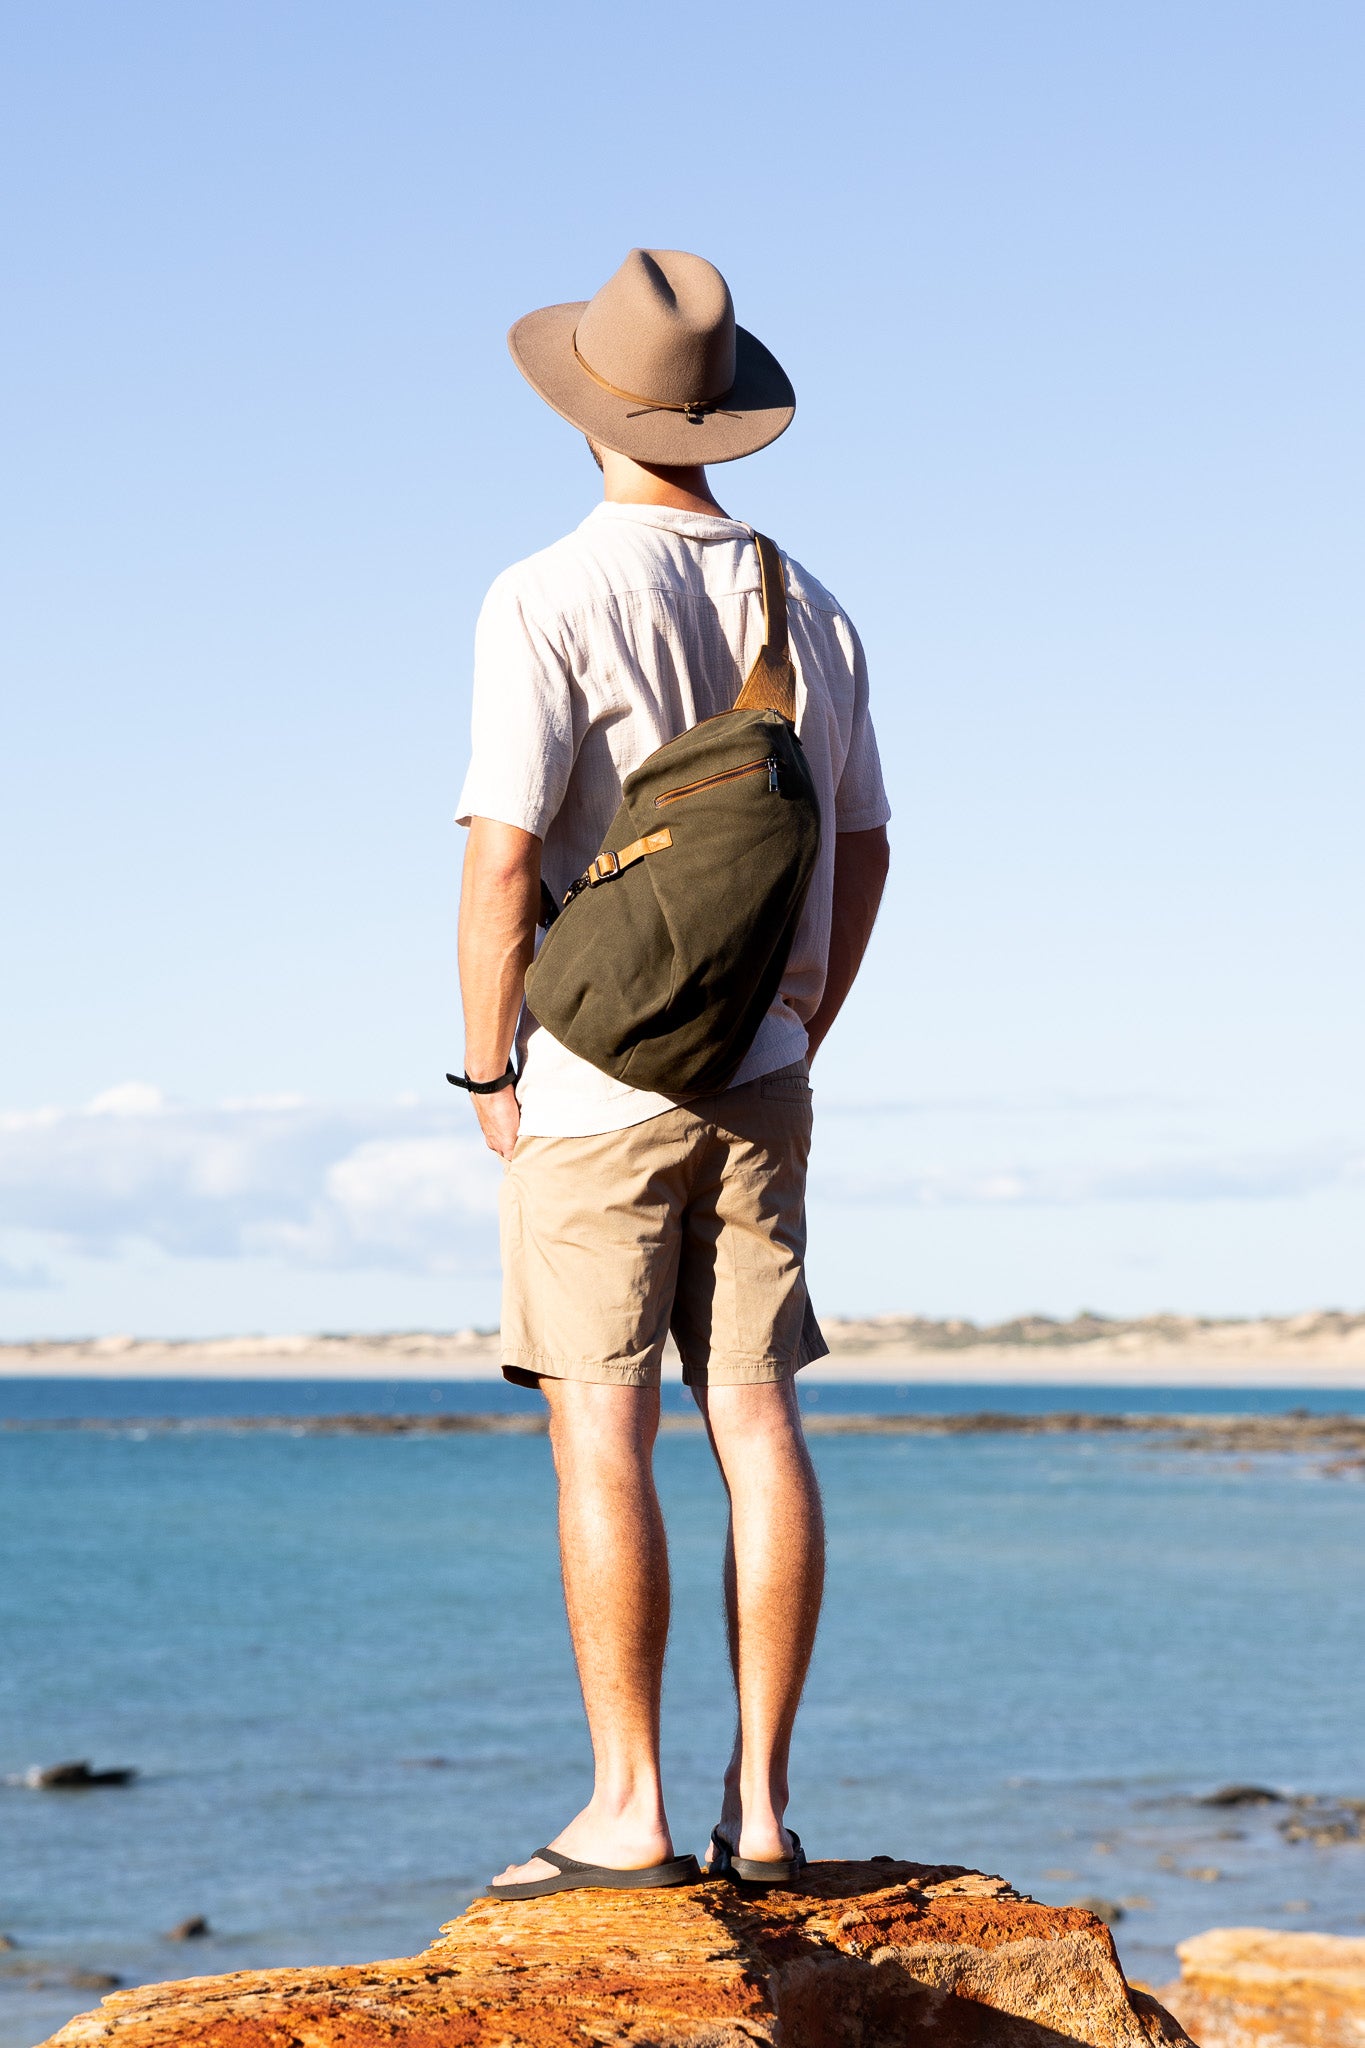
x=1071 y=295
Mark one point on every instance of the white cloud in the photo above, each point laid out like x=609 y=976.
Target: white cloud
x=406 y=1202
x=408 y=1187
x=130 y=1098
x=394 y=1186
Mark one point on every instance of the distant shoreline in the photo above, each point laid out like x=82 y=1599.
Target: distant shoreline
x=1318 y=1350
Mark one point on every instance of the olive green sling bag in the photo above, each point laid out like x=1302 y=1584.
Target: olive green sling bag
x=670 y=947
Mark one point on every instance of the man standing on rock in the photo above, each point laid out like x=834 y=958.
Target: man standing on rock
x=628 y=1213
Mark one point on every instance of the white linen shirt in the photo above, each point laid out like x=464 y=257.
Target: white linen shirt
x=591 y=654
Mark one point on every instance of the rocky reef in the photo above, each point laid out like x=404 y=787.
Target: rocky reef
x=1249 y=1987
x=1335 y=1443
x=863 y=1955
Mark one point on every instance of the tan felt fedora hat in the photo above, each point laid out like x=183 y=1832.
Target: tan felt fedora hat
x=654 y=366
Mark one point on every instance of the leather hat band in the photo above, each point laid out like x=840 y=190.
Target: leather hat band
x=695 y=410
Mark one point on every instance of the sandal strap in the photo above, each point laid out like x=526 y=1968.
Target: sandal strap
x=560 y=1861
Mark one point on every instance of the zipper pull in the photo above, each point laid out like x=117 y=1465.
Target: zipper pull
x=772 y=775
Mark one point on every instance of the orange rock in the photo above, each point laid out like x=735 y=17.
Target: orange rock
x=1248 y=1987
x=864 y=1955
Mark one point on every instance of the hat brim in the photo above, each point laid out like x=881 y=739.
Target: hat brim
x=758 y=407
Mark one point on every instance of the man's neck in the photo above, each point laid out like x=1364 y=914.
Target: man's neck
x=637 y=483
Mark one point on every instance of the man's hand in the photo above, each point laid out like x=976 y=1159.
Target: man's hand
x=499 y=1119
x=499 y=905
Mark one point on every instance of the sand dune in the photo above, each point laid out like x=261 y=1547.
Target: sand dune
x=1319 y=1349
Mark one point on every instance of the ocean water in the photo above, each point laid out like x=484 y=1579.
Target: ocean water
x=341 y=1669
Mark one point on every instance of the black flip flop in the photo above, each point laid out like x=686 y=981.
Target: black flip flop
x=747 y=1870
x=577 y=1877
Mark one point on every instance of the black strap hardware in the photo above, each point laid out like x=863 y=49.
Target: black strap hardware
x=506 y=1080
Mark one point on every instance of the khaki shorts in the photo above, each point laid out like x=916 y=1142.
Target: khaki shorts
x=694 y=1221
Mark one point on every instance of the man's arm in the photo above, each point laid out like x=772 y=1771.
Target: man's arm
x=861 y=860
x=499 y=907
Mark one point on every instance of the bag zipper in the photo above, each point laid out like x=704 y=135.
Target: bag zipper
x=671 y=796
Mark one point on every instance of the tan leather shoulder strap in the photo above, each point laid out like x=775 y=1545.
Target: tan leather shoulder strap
x=771 y=683
x=774 y=596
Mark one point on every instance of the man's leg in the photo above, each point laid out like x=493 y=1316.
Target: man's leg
x=615 y=1563
x=774 y=1577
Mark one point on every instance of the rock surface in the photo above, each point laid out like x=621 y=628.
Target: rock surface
x=1248 y=1987
x=864 y=1955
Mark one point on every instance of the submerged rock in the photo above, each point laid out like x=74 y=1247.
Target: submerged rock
x=75 y=1777
x=193 y=1929
x=1243 y=1795
x=1324 y=1821
x=866 y=1955
x=1249 y=1987
x=1108 y=1910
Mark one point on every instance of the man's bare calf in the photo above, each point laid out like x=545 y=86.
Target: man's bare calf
x=615 y=1565
x=774 y=1578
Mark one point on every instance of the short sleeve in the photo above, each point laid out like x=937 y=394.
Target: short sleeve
x=522 y=725
x=860 y=803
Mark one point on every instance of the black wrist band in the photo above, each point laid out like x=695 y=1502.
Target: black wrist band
x=506 y=1080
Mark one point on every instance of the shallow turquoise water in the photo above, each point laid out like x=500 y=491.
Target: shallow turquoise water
x=1036 y=1654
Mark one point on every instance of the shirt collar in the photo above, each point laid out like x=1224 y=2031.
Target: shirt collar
x=693 y=525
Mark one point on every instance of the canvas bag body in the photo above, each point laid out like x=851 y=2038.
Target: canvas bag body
x=671 y=947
